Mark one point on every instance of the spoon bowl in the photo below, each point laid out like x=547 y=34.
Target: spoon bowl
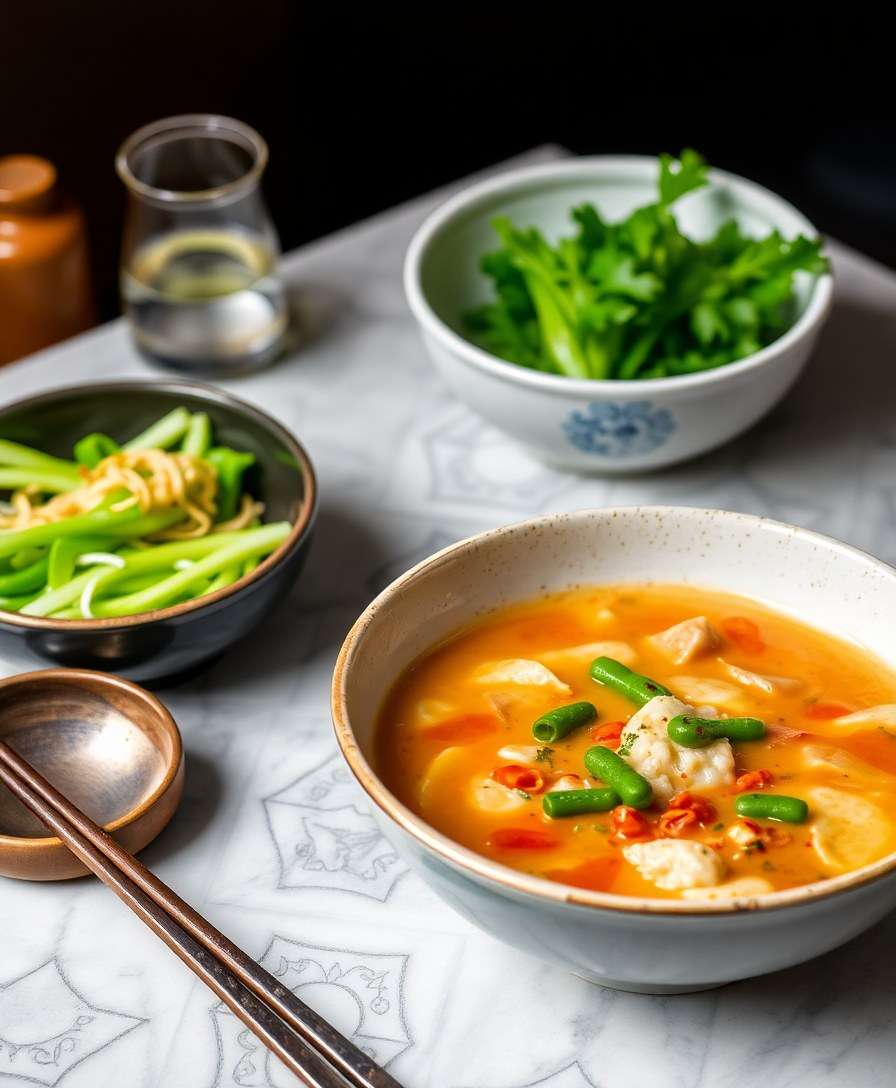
x=108 y=745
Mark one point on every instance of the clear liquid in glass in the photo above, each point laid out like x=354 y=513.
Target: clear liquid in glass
x=206 y=300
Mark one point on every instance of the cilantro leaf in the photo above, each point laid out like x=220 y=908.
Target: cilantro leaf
x=684 y=176
x=638 y=299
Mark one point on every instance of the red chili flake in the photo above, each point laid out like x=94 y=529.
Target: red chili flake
x=703 y=810
x=677 y=821
x=517 y=777
x=628 y=823
x=609 y=733
x=752 y=780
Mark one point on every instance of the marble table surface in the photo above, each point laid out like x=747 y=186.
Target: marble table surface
x=273 y=842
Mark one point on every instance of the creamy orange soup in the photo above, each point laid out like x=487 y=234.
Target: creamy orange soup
x=455 y=743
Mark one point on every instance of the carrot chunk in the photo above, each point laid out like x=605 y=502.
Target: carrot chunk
x=752 y=780
x=608 y=733
x=703 y=810
x=464 y=729
x=822 y=712
x=517 y=777
x=521 y=838
x=628 y=823
x=744 y=634
x=597 y=874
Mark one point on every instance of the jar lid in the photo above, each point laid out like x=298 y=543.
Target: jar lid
x=24 y=179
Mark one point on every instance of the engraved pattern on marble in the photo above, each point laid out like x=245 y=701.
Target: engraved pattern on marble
x=472 y=463
x=47 y=1027
x=326 y=838
x=360 y=993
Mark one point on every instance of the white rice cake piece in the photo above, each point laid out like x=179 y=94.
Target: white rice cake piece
x=707 y=691
x=431 y=712
x=443 y=764
x=856 y=772
x=768 y=685
x=520 y=753
x=490 y=796
x=686 y=640
x=569 y=782
x=848 y=831
x=745 y=887
x=583 y=655
x=667 y=766
x=675 y=864
x=871 y=716
x=522 y=671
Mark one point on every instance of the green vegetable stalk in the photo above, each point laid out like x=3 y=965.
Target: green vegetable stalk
x=638 y=299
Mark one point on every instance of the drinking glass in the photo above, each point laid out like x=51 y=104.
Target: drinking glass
x=198 y=279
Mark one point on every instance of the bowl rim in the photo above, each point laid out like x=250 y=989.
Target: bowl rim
x=513 y=881
x=632 y=166
x=300 y=527
x=87 y=678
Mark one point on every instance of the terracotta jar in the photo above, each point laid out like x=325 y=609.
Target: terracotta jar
x=45 y=292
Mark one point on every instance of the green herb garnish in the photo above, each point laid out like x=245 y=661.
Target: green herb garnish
x=637 y=298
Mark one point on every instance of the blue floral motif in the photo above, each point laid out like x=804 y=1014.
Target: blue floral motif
x=619 y=430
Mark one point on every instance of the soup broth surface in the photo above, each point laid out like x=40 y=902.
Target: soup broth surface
x=463 y=714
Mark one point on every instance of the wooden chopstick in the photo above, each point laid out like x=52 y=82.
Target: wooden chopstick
x=313 y=1050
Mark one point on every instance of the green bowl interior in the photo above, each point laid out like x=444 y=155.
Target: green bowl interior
x=54 y=422
x=450 y=277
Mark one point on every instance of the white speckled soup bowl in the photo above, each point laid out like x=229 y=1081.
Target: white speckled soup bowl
x=590 y=425
x=645 y=945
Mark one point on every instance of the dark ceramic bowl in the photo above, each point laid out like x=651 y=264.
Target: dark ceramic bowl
x=161 y=646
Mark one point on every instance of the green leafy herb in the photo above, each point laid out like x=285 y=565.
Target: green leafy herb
x=625 y=748
x=637 y=298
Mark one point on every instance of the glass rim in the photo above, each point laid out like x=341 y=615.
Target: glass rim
x=214 y=125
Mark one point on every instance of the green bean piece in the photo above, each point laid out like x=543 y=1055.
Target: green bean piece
x=227 y=577
x=692 y=732
x=93 y=448
x=45 y=480
x=560 y=803
x=253 y=542
x=25 y=557
x=101 y=521
x=772 y=806
x=230 y=466
x=25 y=581
x=557 y=723
x=160 y=557
x=64 y=553
x=15 y=455
x=122 y=523
x=604 y=763
x=199 y=435
x=635 y=687
x=15 y=604
x=163 y=434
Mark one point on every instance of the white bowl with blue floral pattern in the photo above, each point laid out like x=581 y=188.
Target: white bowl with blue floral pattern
x=588 y=425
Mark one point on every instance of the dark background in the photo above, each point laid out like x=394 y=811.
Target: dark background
x=365 y=107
